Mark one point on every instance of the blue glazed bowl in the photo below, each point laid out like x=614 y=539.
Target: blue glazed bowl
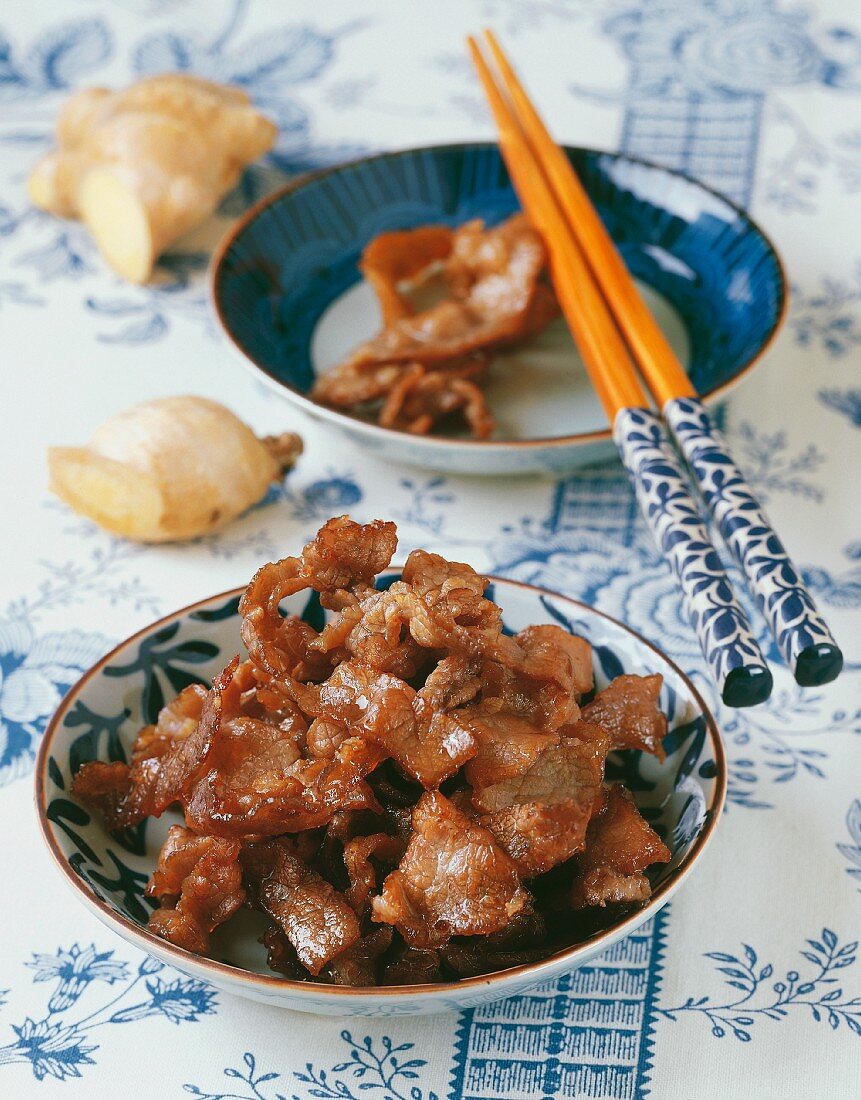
x=99 y=718
x=288 y=293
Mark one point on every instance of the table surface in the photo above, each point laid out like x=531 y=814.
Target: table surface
x=747 y=985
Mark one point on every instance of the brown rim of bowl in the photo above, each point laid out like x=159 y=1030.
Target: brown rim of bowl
x=313 y=408
x=111 y=916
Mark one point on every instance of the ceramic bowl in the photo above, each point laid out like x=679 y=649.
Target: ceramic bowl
x=288 y=294
x=100 y=716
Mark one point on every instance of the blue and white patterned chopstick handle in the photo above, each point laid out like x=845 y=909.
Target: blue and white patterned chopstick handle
x=802 y=637
x=670 y=508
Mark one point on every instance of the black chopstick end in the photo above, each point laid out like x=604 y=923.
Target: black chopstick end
x=818 y=664
x=747 y=687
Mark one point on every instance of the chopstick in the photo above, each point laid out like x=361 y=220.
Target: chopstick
x=802 y=636
x=665 y=498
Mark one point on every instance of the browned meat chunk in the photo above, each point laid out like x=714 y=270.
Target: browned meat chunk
x=421 y=399
x=453 y=880
x=358 y=965
x=454 y=681
x=540 y=816
x=281 y=954
x=628 y=710
x=402 y=257
x=199 y=883
x=255 y=781
x=154 y=782
x=620 y=845
x=316 y=919
x=104 y=787
x=410 y=966
x=176 y=721
x=343 y=555
x=493 y=276
x=384 y=710
x=361 y=872
x=544 y=680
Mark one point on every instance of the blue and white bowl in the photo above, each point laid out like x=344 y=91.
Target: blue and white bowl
x=99 y=718
x=288 y=293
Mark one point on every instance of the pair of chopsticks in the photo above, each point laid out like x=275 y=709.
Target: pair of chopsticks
x=620 y=342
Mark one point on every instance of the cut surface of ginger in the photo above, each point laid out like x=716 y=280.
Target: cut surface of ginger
x=119 y=223
x=122 y=500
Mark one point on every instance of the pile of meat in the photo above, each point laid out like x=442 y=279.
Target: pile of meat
x=424 y=371
x=409 y=795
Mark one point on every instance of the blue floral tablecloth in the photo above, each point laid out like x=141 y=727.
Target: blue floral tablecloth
x=749 y=984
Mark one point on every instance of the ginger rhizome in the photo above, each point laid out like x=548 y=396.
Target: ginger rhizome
x=143 y=166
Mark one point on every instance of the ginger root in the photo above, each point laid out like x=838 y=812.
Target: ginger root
x=169 y=469
x=145 y=165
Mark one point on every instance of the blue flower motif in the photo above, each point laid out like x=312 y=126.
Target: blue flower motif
x=53 y=1050
x=56 y=59
x=67 y=256
x=726 y=48
x=34 y=673
x=179 y=1001
x=75 y=969
x=329 y=494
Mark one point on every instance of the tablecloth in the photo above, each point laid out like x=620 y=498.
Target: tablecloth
x=748 y=984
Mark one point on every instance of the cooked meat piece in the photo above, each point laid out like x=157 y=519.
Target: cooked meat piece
x=343 y=555
x=404 y=256
x=358 y=965
x=362 y=874
x=176 y=721
x=523 y=939
x=105 y=788
x=455 y=681
x=350 y=385
x=421 y=399
x=544 y=644
x=423 y=369
x=410 y=966
x=508 y=745
x=316 y=919
x=281 y=954
x=540 y=816
x=493 y=275
x=485 y=265
x=299 y=796
x=628 y=710
x=255 y=780
x=453 y=880
x=199 y=882
x=387 y=712
x=467 y=958
x=154 y=782
x=620 y=845
x=544 y=682
x=377 y=635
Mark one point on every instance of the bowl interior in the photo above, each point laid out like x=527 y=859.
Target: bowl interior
x=102 y=714
x=288 y=290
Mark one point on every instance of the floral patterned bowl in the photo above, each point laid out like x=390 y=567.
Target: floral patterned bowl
x=100 y=716
x=288 y=294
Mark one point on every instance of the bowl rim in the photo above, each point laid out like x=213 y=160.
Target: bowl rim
x=154 y=945
x=435 y=442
